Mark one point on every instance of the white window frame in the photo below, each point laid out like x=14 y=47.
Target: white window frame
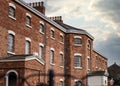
x=79 y=38
x=42 y=23
x=52 y=29
x=76 y=80
x=52 y=49
x=14 y=7
x=61 y=80
x=28 y=15
x=12 y=33
x=61 y=35
x=78 y=54
x=88 y=59
x=61 y=53
x=40 y=53
x=7 y=75
x=29 y=40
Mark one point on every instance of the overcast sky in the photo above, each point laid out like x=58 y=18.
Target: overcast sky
x=101 y=18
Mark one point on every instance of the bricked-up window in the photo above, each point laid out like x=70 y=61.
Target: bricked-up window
x=41 y=51
x=12 y=79
x=77 y=40
x=27 y=47
x=61 y=59
x=11 y=43
x=52 y=33
x=42 y=30
x=77 y=61
x=52 y=56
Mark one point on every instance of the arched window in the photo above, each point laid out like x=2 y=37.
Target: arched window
x=27 y=47
x=78 y=83
x=42 y=30
x=11 y=78
x=11 y=43
x=12 y=9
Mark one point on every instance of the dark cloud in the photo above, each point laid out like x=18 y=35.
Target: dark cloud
x=110 y=48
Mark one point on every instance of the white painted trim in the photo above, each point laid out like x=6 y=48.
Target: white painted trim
x=27 y=39
x=79 y=54
x=61 y=52
x=61 y=34
x=11 y=32
x=41 y=22
x=12 y=5
x=78 y=37
x=61 y=80
x=41 y=44
x=7 y=75
x=88 y=57
x=52 y=49
x=27 y=14
x=52 y=29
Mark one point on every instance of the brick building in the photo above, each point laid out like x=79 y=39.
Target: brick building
x=31 y=44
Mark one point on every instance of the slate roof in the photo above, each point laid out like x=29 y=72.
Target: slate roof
x=15 y=57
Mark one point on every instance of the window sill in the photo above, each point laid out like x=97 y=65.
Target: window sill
x=52 y=38
x=12 y=17
x=78 y=67
x=10 y=52
x=52 y=64
x=61 y=66
x=78 y=45
x=42 y=32
x=28 y=26
x=61 y=43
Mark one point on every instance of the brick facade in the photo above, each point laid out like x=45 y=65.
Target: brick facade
x=33 y=66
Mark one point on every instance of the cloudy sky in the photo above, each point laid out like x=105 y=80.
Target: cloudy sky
x=101 y=18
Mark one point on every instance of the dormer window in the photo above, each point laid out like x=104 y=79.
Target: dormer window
x=77 y=40
x=12 y=9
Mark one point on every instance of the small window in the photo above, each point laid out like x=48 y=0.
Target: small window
x=41 y=52
x=12 y=79
x=42 y=30
x=77 y=61
x=89 y=44
x=11 y=11
x=61 y=59
x=51 y=56
x=61 y=38
x=61 y=83
x=52 y=33
x=77 y=40
x=27 y=47
x=88 y=63
x=28 y=21
x=11 y=43
x=78 y=83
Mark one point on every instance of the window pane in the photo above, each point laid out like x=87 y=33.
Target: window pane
x=52 y=56
x=52 y=33
x=11 y=11
x=27 y=47
x=77 y=61
x=77 y=41
x=61 y=38
x=28 y=20
x=41 y=52
x=41 y=28
x=12 y=79
x=10 y=43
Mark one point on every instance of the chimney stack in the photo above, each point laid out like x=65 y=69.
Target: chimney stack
x=57 y=18
x=38 y=6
